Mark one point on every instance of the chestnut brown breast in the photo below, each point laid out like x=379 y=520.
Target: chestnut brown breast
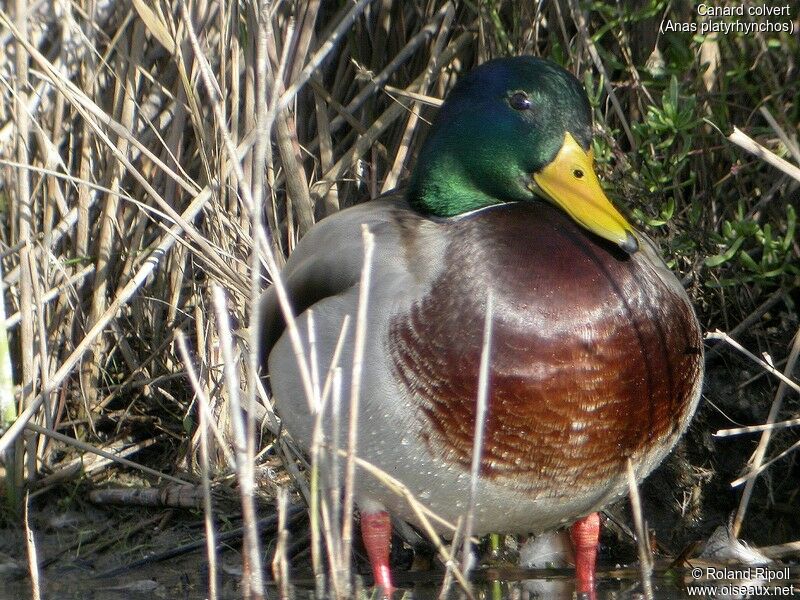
x=595 y=354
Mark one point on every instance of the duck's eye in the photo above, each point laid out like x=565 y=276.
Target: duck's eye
x=578 y=173
x=520 y=101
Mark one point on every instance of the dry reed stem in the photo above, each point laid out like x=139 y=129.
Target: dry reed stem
x=125 y=91
x=331 y=196
x=297 y=187
x=743 y=140
x=314 y=507
x=392 y=113
x=137 y=378
x=337 y=354
x=253 y=578
x=720 y=335
x=263 y=130
x=100 y=452
x=390 y=182
x=170 y=496
x=580 y=22
x=642 y=537
x=301 y=40
x=755 y=472
x=751 y=319
x=204 y=420
x=54 y=293
x=757 y=428
x=316 y=446
x=333 y=519
x=379 y=80
x=424 y=99
x=88 y=110
x=88 y=466
x=760 y=451
x=272 y=422
x=313 y=358
x=280 y=562
x=94 y=114
x=423 y=515
x=122 y=298
x=328 y=45
x=316 y=440
x=789 y=143
x=355 y=395
x=147 y=267
x=482 y=402
x=62 y=228
x=22 y=189
x=38 y=447
x=8 y=407
x=447 y=580
x=33 y=561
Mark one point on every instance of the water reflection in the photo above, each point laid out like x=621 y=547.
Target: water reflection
x=677 y=585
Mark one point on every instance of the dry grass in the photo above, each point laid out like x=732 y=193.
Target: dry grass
x=153 y=152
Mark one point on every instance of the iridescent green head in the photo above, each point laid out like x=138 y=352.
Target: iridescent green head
x=511 y=130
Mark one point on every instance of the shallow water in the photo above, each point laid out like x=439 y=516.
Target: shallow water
x=625 y=584
x=162 y=581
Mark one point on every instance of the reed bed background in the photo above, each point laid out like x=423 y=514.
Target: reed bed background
x=160 y=160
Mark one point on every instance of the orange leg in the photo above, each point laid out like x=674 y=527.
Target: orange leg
x=376 y=531
x=585 y=535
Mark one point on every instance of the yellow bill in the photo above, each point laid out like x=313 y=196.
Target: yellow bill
x=571 y=183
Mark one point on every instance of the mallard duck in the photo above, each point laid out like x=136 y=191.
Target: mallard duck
x=596 y=353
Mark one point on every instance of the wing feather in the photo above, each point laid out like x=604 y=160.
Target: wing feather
x=326 y=262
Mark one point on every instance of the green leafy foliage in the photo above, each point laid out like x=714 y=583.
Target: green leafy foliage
x=717 y=211
x=760 y=253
